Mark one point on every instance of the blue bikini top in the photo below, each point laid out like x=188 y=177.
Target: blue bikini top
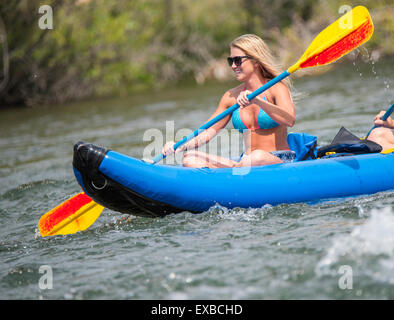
x=264 y=121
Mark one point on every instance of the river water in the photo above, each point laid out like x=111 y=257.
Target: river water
x=333 y=250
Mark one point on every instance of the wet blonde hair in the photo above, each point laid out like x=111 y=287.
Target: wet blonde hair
x=255 y=47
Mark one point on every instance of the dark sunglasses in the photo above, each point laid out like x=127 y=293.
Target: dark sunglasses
x=237 y=60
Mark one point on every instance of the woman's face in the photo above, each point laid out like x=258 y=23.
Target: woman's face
x=246 y=69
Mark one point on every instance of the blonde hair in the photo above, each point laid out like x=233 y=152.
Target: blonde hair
x=255 y=47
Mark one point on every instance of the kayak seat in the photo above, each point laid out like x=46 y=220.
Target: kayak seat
x=303 y=144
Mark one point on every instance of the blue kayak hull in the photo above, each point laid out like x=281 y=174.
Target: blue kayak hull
x=157 y=190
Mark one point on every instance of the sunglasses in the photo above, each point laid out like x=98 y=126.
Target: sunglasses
x=237 y=60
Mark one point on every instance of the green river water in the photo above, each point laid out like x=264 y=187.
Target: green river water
x=291 y=251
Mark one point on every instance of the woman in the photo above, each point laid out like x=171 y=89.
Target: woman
x=263 y=121
x=384 y=133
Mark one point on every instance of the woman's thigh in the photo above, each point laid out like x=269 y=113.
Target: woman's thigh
x=258 y=158
x=198 y=159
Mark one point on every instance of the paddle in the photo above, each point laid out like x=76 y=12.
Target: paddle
x=332 y=43
x=339 y=38
x=384 y=118
x=76 y=214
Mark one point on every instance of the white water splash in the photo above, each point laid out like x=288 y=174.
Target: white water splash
x=240 y=214
x=372 y=241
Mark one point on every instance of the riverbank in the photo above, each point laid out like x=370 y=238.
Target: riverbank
x=101 y=49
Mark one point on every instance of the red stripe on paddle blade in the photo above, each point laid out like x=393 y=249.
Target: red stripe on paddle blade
x=342 y=47
x=49 y=220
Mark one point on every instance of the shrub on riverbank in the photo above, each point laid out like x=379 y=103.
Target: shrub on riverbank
x=104 y=48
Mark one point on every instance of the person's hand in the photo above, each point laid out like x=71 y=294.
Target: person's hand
x=168 y=148
x=389 y=123
x=242 y=99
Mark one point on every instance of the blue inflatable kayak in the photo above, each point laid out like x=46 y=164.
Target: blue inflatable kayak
x=132 y=186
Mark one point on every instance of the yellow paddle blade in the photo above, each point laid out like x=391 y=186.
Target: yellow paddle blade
x=339 y=38
x=76 y=214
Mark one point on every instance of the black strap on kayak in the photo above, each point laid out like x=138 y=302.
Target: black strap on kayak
x=311 y=154
x=303 y=144
x=346 y=143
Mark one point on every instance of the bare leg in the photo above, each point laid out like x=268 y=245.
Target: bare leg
x=197 y=159
x=383 y=136
x=258 y=158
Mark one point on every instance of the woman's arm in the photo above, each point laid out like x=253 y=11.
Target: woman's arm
x=281 y=112
x=208 y=134
x=211 y=132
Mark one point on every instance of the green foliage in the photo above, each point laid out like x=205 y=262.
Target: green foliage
x=103 y=48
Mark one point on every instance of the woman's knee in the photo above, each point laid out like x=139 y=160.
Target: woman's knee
x=192 y=159
x=259 y=158
x=265 y=157
x=378 y=133
x=381 y=135
x=188 y=160
x=259 y=154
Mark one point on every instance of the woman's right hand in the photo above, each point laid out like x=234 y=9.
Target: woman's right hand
x=168 y=148
x=242 y=98
x=389 y=123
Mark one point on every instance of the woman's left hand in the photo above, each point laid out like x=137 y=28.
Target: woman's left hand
x=242 y=99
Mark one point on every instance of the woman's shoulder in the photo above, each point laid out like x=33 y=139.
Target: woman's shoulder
x=229 y=97
x=280 y=91
x=233 y=93
x=279 y=88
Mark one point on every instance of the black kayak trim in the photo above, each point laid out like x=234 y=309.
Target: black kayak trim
x=109 y=193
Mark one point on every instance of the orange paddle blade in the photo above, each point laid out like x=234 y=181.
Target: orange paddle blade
x=339 y=38
x=76 y=214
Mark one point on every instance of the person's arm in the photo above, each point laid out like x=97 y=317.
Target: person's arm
x=206 y=135
x=282 y=112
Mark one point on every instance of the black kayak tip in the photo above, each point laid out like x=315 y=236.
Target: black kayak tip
x=87 y=156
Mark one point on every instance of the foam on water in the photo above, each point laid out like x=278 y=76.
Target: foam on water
x=243 y=214
x=371 y=243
